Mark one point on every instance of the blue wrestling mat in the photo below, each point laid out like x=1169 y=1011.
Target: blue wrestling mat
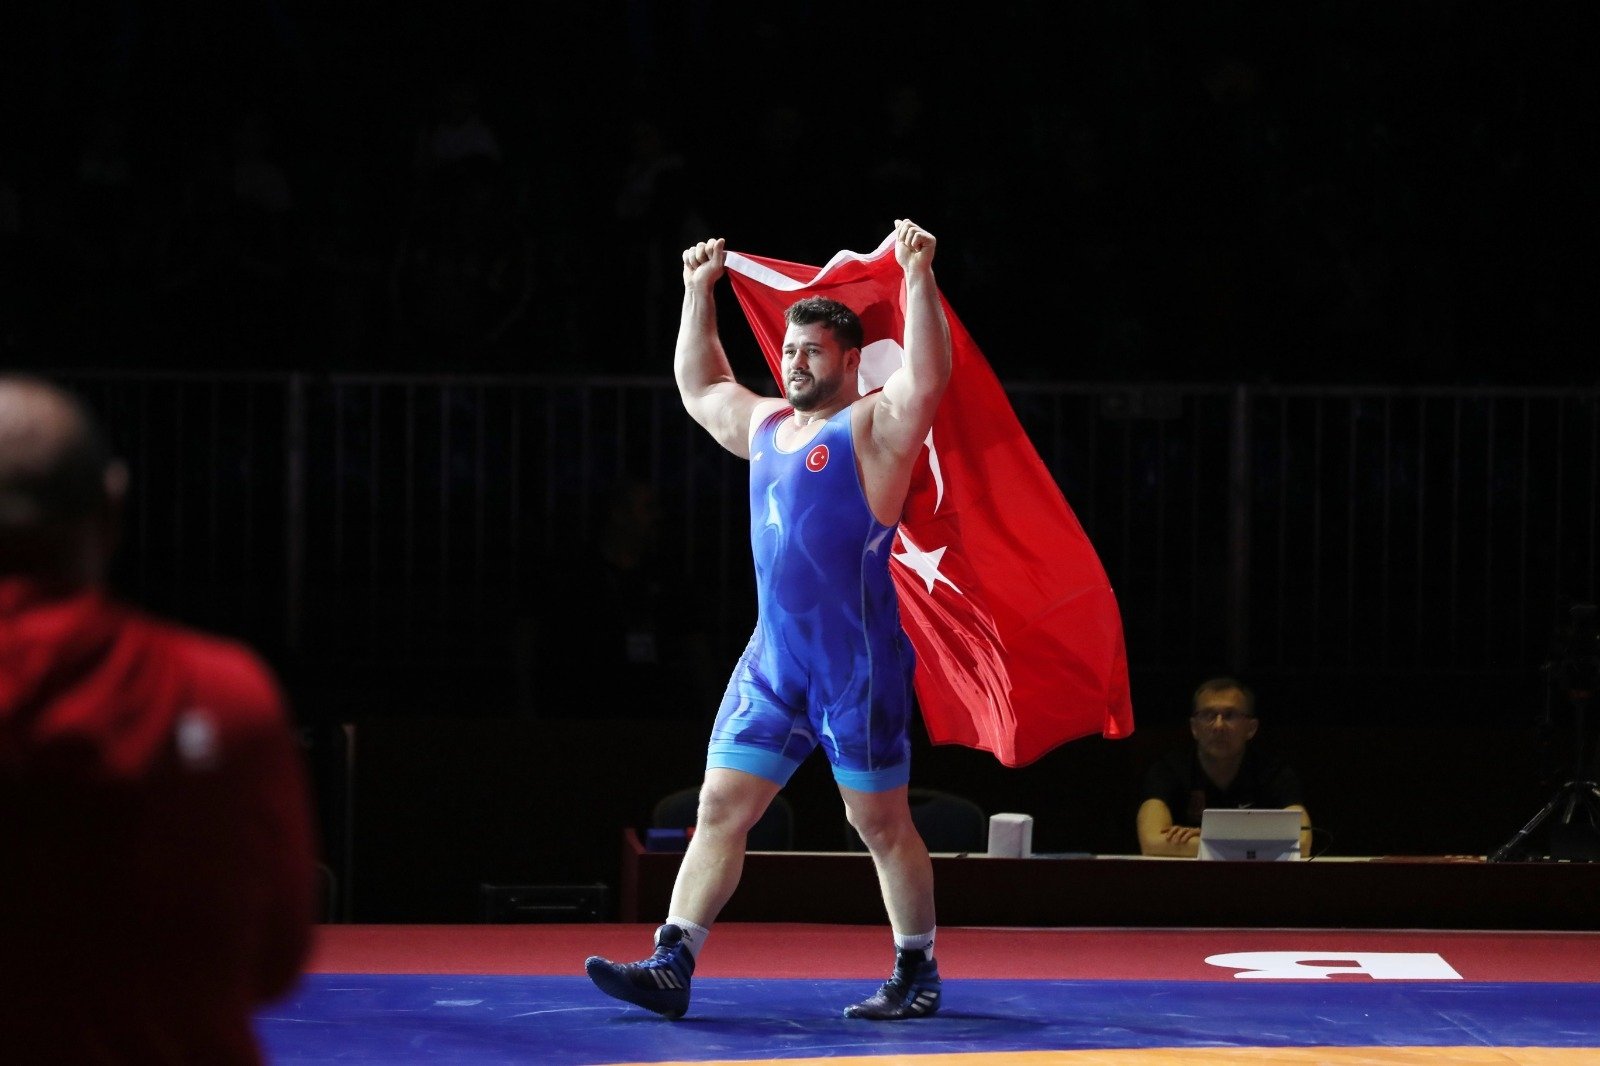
x=564 y=1021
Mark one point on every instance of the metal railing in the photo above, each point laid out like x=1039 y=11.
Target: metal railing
x=411 y=519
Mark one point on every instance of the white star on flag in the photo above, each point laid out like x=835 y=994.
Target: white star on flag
x=925 y=564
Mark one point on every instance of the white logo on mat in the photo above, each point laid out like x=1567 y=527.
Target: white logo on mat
x=1315 y=965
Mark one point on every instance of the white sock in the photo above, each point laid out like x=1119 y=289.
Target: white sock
x=694 y=936
x=922 y=942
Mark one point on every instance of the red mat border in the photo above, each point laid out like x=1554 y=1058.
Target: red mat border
x=759 y=949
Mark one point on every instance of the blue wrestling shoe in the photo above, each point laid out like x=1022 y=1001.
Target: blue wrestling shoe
x=659 y=983
x=912 y=991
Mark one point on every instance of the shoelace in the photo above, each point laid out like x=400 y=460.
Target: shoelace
x=905 y=979
x=663 y=956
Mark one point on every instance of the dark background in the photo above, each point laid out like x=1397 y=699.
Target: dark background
x=1318 y=191
x=1131 y=192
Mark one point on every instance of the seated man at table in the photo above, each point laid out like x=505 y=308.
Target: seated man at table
x=1221 y=770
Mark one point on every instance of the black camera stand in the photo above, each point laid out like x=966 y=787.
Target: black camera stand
x=1574 y=670
x=1574 y=835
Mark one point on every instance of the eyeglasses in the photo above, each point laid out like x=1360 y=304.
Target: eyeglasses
x=1228 y=717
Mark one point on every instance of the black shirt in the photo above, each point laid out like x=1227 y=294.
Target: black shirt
x=1178 y=781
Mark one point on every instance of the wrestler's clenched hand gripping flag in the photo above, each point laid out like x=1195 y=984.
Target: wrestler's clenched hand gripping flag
x=1018 y=637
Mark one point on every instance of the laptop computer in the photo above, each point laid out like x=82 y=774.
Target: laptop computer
x=1249 y=834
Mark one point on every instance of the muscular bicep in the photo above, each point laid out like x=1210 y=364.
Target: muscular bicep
x=903 y=414
x=725 y=409
x=910 y=397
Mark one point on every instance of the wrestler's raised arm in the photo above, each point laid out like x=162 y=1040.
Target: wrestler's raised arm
x=711 y=394
x=911 y=395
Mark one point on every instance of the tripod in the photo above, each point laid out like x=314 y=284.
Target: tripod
x=1575 y=833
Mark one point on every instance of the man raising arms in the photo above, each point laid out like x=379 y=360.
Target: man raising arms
x=828 y=664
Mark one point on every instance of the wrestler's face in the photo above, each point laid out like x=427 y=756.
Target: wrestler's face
x=1221 y=725
x=814 y=365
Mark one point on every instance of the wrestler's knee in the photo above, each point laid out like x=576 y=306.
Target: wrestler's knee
x=730 y=806
x=883 y=822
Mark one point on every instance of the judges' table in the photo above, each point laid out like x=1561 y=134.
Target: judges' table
x=1390 y=892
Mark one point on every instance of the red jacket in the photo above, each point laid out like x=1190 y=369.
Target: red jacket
x=157 y=871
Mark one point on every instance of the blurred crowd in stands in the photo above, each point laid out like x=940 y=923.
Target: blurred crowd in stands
x=1129 y=190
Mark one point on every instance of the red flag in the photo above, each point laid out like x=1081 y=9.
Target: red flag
x=1017 y=633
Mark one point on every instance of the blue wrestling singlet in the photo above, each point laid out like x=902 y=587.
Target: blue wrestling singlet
x=828 y=663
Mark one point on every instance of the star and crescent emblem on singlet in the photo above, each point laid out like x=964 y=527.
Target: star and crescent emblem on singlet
x=879 y=359
x=817 y=458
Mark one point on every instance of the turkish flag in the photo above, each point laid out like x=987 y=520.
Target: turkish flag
x=1018 y=637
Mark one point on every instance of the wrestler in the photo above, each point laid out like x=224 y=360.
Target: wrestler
x=828 y=665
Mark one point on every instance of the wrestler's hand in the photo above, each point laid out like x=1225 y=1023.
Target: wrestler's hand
x=703 y=264
x=913 y=246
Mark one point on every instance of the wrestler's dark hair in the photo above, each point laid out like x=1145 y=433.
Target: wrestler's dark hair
x=1226 y=684
x=66 y=485
x=831 y=313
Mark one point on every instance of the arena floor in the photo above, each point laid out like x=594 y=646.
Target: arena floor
x=769 y=993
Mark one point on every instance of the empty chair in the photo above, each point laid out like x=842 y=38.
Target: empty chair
x=774 y=832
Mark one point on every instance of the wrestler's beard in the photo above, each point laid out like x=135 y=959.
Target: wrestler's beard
x=812 y=393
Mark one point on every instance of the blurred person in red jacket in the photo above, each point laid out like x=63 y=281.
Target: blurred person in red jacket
x=157 y=866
